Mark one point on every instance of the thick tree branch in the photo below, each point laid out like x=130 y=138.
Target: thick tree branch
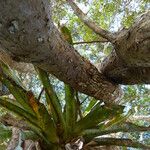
x=116 y=70
x=28 y=34
x=132 y=46
x=129 y=62
x=104 y=33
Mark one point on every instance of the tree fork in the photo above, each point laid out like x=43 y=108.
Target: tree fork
x=129 y=62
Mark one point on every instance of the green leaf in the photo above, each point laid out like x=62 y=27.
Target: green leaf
x=47 y=124
x=97 y=115
x=52 y=98
x=19 y=94
x=70 y=108
x=5 y=133
x=66 y=34
x=14 y=85
x=93 y=101
x=17 y=110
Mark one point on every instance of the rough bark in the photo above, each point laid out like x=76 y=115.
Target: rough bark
x=19 y=66
x=132 y=46
x=28 y=34
x=116 y=70
x=129 y=62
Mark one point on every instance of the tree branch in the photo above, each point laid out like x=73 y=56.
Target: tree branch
x=117 y=142
x=116 y=70
x=132 y=46
x=89 y=134
x=98 y=30
x=140 y=117
x=9 y=120
x=129 y=62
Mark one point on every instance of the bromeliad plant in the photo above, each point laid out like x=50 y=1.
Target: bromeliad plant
x=57 y=126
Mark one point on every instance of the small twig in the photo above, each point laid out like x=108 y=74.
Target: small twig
x=84 y=100
x=40 y=94
x=89 y=42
